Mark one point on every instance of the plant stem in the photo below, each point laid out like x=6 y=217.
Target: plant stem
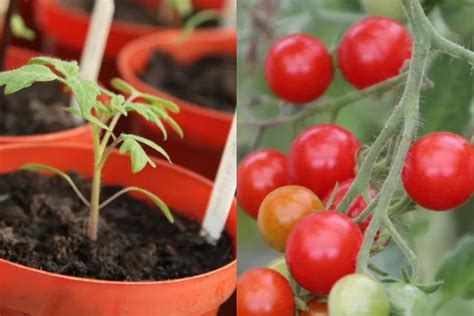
x=7 y=32
x=330 y=105
x=96 y=182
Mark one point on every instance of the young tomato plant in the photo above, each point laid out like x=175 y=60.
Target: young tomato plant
x=101 y=109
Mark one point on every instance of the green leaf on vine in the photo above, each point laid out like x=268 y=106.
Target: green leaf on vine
x=446 y=107
x=69 y=69
x=24 y=77
x=86 y=93
x=456 y=270
x=138 y=156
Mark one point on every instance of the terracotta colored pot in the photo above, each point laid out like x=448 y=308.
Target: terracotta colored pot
x=39 y=293
x=52 y=17
x=17 y=57
x=205 y=130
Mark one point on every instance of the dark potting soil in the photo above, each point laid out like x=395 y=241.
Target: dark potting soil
x=210 y=81
x=43 y=225
x=131 y=11
x=35 y=110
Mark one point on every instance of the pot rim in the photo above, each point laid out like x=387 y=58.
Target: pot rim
x=151 y=42
x=162 y=163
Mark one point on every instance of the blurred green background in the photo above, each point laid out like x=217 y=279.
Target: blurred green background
x=447 y=106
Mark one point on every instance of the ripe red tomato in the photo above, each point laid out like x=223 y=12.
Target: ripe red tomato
x=315 y=308
x=258 y=174
x=439 y=171
x=321 y=156
x=263 y=292
x=281 y=210
x=321 y=249
x=357 y=206
x=298 y=68
x=372 y=50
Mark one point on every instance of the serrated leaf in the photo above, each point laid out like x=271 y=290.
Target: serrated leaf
x=149 y=114
x=138 y=156
x=171 y=122
x=92 y=119
x=85 y=93
x=69 y=69
x=407 y=300
x=123 y=86
x=456 y=270
x=446 y=107
x=156 y=101
x=117 y=104
x=149 y=143
x=25 y=77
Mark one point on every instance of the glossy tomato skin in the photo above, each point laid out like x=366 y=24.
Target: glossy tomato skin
x=315 y=308
x=321 y=249
x=321 y=156
x=372 y=50
x=281 y=210
x=262 y=292
x=357 y=206
x=360 y=295
x=438 y=173
x=258 y=174
x=298 y=68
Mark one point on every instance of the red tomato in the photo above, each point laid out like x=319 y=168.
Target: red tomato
x=315 y=308
x=321 y=249
x=321 y=156
x=298 y=68
x=372 y=50
x=439 y=171
x=281 y=210
x=357 y=206
x=263 y=292
x=258 y=174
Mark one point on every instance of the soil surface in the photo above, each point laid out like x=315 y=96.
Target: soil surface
x=35 y=110
x=209 y=82
x=43 y=225
x=131 y=11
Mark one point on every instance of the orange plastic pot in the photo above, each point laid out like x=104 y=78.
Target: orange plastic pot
x=17 y=57
x=52 y=16
x=38 y=293
x=205 y=130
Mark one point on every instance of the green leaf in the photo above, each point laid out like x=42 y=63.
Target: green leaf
x=148 y=113
x=117 y=104
x=172 y=123
x=85 y=93
x=149 y=143
x=196 y=20
x=138 y=156
x=34 y=167
x=156 y=101
x=24 y=77
x=183 y=7
x=123 y=86
x=446 y=107
x=407 y=300
x=20 y=29
x=456 y=270
x=92 y=119
x=69 y=69
x=162 y=205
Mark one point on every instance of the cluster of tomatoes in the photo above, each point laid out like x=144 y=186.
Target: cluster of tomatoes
x=289 y=194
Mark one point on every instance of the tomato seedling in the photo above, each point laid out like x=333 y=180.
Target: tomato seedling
x=281 y=210
x=321 y=156
x=373 y=50
x=298 y=68
x=264 y=292
x=102 y=118
x=258 y=174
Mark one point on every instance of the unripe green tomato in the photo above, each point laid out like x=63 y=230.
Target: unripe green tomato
x=388 y=8
x=358 y=294
x=458 y=15
x=279 y=265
